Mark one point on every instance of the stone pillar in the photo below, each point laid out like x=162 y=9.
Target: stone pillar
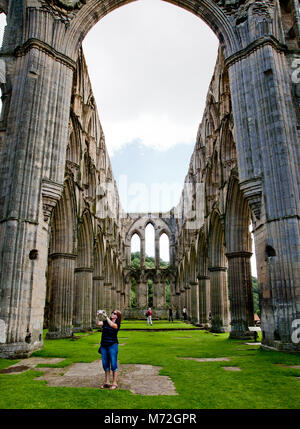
x=157 y=255
x=204 y=300
x=182 y=299
x=98 y=297
x=118 y=300
x=194 y=292
x=142 y=256
x=219 y=299
x=83 y=299
x=161 y=295
x=240 y=294
x=155 y=294
x=267 y=145
x=31 y=182
x=122 y=301
x=188 y=300
x=107 y=296
x=127 y=294
x=113 y=298
x=141 y=291
x=62 y=290
x=173 y=296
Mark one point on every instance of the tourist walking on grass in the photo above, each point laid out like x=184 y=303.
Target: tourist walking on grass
x=170 y=314
x=184 y=314
x=109 y=346
x=149 y=316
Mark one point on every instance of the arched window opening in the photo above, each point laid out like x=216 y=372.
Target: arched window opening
x=164 y=250
x=135 y=245
x=150 y=240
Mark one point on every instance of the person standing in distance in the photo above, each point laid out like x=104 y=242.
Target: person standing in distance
x=110 y=346
x=149 y=316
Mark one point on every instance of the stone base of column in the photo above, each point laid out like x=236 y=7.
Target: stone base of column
x=282 y=347
x=19 y=350
x=218 y=327
x=241 y=335
x=77 y=329
x=54 y=335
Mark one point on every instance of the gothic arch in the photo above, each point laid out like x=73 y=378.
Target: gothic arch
x=238 y=252
x=84 y=274
x=208 y=11
x=237 y=219
x=203 y=279
x=218 y=275
x=60 y=284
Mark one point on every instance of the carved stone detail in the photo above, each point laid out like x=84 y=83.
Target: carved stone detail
x=252 y=191
x=51 y=193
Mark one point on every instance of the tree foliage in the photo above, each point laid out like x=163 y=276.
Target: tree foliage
x=149 y=263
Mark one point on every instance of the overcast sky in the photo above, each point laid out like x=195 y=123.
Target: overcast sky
x=150 y=63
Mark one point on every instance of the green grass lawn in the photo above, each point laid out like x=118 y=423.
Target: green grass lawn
x=161 y=324
x=261 y=384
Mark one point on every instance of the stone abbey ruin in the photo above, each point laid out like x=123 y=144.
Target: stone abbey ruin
x=64 y=238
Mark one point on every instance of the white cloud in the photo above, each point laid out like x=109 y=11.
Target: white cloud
x=153 y=130
x=150 y=64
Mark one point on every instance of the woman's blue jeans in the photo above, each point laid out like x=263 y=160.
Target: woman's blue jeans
x=109 y=356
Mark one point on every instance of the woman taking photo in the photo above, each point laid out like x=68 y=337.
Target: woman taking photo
x=109 y=346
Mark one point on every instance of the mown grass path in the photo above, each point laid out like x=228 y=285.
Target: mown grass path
x=262 y=383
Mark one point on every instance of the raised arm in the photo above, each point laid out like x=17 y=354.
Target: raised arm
x=111 y=324
x=98 y=322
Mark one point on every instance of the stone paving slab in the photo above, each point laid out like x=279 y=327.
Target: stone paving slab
x=231 y=368
x=221 y=359
x=139 y=379
x=27 y=364
x=253 y=344
x=288 y=366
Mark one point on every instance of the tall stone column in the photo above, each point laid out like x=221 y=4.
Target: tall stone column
x=204 y=300
x=118 y=300
x=83 y=299
x=240 y=294
x=182 y=298
x=98 y=296
x=161 y=295
x=188 y=300
x=127 y=294
x=194 y=291
x=268 y=159
x=31 y=182
x=156 y=285
x=157 y=255
x=113 y=298
x=142 y=256
x=107 y=296
x=173 y=296
x=61 y=301
x=219 y=299
x=141 y=295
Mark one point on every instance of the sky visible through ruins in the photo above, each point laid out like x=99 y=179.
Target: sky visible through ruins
x=150 y=65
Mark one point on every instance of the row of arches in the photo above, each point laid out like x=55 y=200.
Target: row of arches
x=86 y=246
x=214 y=277
x=84 y=273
